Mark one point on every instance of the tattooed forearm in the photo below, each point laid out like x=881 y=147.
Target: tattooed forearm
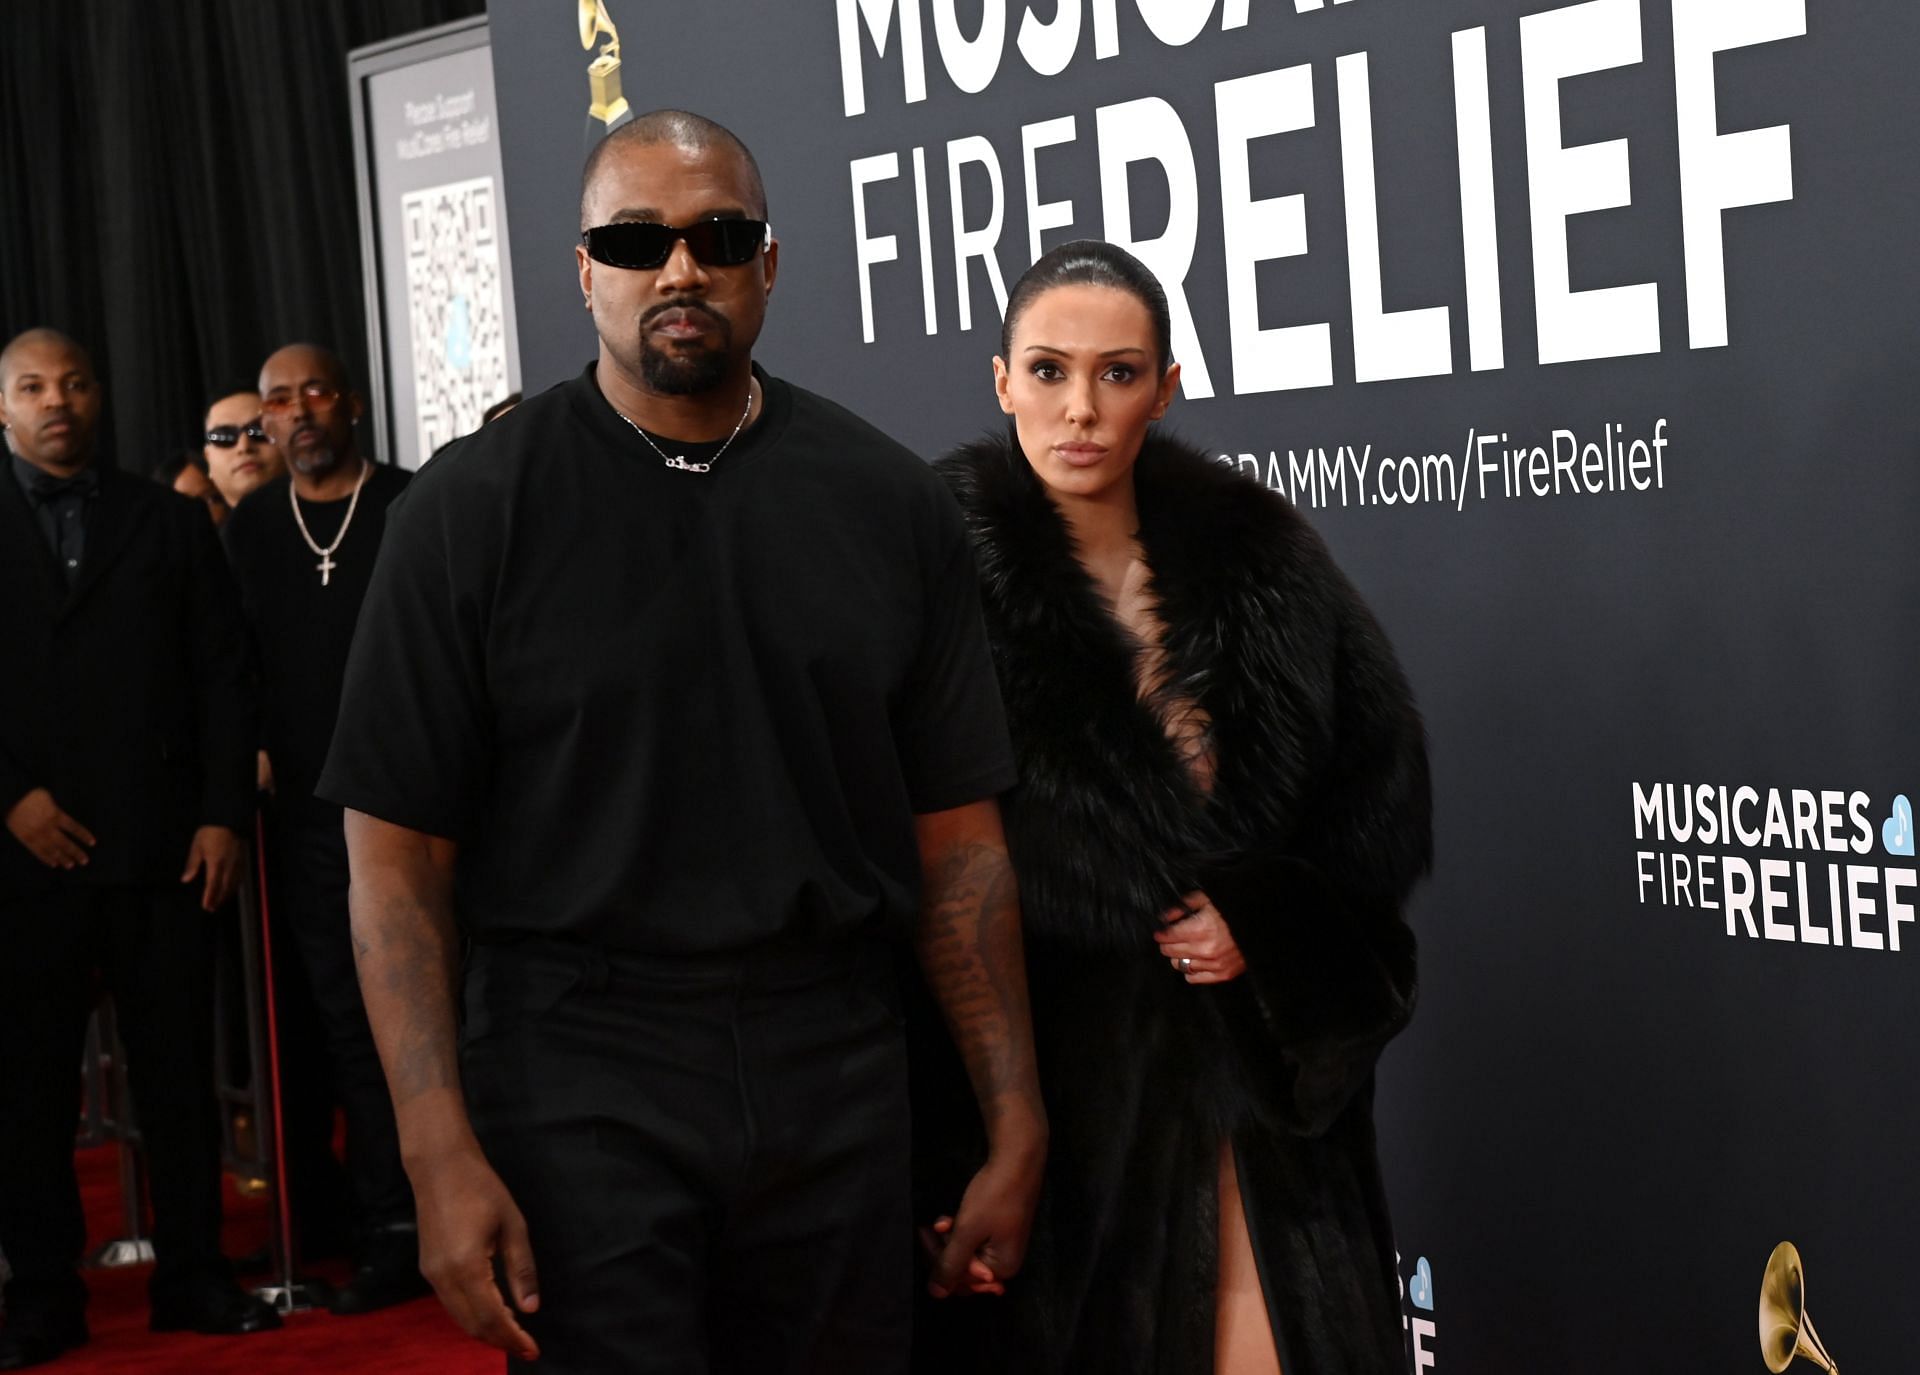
x=407 y=958
x=406 y=949
x=970 y=951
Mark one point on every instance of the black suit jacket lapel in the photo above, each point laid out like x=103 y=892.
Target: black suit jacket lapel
x=116 y=513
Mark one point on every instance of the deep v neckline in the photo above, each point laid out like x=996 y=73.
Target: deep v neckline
x=1116 y=827
x=1136 y=617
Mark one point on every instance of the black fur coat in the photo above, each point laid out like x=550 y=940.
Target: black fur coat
x=1316 y=828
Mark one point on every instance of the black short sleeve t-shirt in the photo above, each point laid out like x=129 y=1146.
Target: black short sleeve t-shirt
x=672 y=712
x=303 y=627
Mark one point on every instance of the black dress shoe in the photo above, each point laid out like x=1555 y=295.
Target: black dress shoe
x=389 y=1273
x=30 y=1338
x=215 y=1307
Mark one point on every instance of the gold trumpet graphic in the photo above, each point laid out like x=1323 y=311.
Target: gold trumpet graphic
x=603 y=73
x=1785 y=1329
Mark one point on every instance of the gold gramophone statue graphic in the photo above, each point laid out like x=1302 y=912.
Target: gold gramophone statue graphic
x=1785 y=1329
x=603 y=73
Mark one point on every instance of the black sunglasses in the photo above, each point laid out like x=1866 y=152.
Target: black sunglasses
x=226 y=436
x=646 y=245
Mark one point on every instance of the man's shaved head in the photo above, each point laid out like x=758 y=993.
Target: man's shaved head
x=39 y=337
x=49 y=399
x=683 y=129
x=313 y=359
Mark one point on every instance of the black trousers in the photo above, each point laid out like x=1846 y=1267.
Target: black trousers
x=309 y=875
x=322 y=1202
x=155 y=949
x=322 y=1199
x=712 y=1156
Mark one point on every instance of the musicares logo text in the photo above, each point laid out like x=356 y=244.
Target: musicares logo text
x=1863 y=906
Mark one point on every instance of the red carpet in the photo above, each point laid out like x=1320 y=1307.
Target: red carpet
x=417 y=1338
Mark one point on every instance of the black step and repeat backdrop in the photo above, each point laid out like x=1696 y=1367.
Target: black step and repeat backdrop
x=1589 y=335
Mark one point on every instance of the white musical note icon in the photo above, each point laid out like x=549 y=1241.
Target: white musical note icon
x=1896 y=832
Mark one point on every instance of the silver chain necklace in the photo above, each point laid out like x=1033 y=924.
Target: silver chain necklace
x=326 y=564
x=679 y=460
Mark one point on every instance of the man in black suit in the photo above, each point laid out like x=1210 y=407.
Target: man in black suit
x=126 y=768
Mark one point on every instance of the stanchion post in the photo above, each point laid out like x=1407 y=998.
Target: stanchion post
x=287 y=1293
x=133 y=1246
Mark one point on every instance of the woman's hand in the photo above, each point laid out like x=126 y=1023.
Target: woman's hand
x=1197 y=943
x=979 y=1277
x=983 y=1245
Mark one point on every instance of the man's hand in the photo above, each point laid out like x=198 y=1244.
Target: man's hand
x=407 y=950
x=1197 y=943
x=970 y=951
x=982 y=1248
x=50 y=835
x=215 y=849
x=467 y=1218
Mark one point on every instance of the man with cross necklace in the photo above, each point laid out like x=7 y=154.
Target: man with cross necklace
x=302 y=547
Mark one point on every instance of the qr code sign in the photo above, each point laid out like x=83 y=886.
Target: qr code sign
x=454 y=300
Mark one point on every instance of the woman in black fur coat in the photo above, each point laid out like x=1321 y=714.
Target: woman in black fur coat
x=1223 y=804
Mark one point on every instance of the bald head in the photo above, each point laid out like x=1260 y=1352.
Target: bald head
x=309 y=360
x=49 y=400
x=683 y=129
x=34 y=341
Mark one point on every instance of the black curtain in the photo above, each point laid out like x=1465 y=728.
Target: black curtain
x=177 y=191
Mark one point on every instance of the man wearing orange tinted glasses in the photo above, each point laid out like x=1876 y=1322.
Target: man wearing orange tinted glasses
x=303 y=548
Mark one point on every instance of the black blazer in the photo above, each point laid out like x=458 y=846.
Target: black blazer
x=127 y=697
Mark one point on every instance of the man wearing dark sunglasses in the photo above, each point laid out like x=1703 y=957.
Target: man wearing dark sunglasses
x=240 y=458
x=671 y=696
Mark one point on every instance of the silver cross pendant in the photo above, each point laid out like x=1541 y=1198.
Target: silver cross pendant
x=326 y=567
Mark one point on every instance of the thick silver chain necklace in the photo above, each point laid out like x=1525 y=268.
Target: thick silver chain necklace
x=679 y=460
x=326 y=564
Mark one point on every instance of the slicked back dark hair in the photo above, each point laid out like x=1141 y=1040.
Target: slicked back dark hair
x=1091 y=262
x=683 y=129
x=243 y=387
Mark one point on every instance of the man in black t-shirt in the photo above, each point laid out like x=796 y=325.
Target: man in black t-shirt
x=672 y=697
x=302 y=549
